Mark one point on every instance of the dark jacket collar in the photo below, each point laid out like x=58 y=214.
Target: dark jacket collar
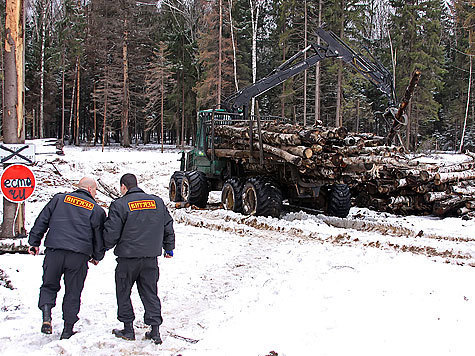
x=134 y=190
x=84 y=191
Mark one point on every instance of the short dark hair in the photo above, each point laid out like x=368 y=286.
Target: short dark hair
x=129 y=180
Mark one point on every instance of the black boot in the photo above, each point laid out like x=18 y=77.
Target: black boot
x=46 y=327
x=154 y=335
x=67 y=331
x=127 y=333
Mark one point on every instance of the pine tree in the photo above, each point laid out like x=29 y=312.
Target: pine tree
x=417 y=36
x=157 y=84
x=457 y=76
x=207 y=88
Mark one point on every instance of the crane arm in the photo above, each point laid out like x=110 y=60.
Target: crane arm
x=336 y=48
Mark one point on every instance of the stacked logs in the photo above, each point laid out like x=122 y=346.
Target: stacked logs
x=381 y=177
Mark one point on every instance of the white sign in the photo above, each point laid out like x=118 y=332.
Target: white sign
x=17 y=153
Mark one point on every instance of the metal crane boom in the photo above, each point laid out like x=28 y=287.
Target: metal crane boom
x=373 y=70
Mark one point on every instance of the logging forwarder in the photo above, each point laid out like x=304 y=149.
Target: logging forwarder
x=257 y=168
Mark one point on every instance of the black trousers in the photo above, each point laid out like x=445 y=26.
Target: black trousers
x=144 y=272
x=74 y=267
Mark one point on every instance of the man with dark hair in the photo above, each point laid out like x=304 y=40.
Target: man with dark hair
x=128 y=180
x=139 y=226
x=75 y=222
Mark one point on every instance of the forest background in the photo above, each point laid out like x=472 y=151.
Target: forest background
x=101 y=71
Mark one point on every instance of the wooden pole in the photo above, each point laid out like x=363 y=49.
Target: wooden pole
x=13 y=223
x=62 y=98
x=78 y=95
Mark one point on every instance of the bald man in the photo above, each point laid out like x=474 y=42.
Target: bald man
x=75 y=224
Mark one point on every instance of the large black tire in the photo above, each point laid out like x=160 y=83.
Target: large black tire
x=231 y=195
x=174 y=187
x=261 y=197
x=194 y=188
x=339 y=201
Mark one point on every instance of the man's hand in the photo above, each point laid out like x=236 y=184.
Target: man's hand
x=168 y=254
x=94 y=262
x=33 y=250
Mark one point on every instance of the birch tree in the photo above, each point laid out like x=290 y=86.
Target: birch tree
x=255 y=7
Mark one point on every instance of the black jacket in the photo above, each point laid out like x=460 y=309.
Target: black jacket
x=75 y=222
x=139 y=225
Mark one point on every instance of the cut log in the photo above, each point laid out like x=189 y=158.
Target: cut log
x=280 y=138
x=435 y=196
x=448 y=206
x=464 y=190
x=316 y=148
x=470 y=204
x=381 y=177
x=301 y=151
x=373 y=159
x=463 y=210
x=358 y=168
x=453 y=176
x=232 y=153
x=286 y=156
x=456 y=167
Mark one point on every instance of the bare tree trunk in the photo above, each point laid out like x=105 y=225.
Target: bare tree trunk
x=13 y=223
x=255 y=7
x=42 y=68
x=183 y=110
x=357 y=115
x=220 y=55
x=305 y=71
x=339 y=89
x=71 y=113
x=78 y=96
x=162 y=87
x=236 y=84
x=317 y=71
x=95 y=115
x=468 y=105
x=408 y=126
x=3 y=79
x=282 y=100
x=125 y=102
x=106 y=94
x=33 y=123
x=416 y=129
x=62 y=97
x=183 y=99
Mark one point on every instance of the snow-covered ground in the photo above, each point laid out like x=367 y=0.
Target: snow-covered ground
x=372 y=284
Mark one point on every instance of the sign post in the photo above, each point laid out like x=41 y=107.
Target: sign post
x=18 y=183
x=17 y=153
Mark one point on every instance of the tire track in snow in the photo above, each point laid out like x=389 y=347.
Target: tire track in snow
x=337 y=231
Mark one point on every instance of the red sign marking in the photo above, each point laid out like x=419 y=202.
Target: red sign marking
x=18 y=183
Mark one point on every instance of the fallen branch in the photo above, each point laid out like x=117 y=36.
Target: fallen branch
x=110 y=191
x=179 y=337
x=56 y=170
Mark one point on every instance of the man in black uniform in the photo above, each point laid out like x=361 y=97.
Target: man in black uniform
x=139 y=226
x=75 y=222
